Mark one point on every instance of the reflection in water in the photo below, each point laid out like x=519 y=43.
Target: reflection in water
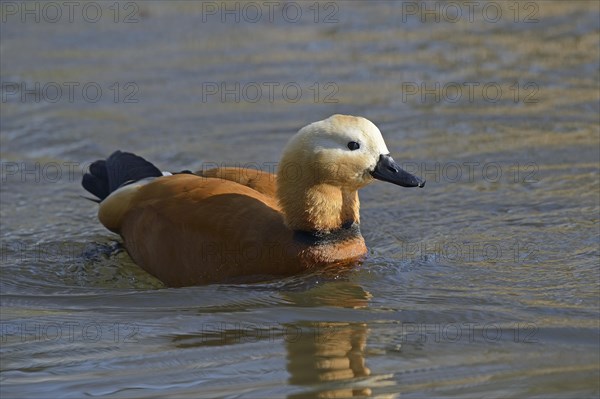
x=328 y=354
x=326 y=357
x=332 y=352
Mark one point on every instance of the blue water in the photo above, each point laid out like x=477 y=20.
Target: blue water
x=482 y=284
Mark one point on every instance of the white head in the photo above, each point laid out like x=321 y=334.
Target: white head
x=343 y=151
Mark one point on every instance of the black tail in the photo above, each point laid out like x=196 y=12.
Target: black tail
x=117 y=170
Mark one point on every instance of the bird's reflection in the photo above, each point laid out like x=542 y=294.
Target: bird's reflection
x=325 y=358
x=328 y=353
x=330 y=356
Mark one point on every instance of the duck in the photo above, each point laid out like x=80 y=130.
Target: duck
x=233 y=224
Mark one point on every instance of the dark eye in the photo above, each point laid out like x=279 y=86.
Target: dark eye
x=353 y=145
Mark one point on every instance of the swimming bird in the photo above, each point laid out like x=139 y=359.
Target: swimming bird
x=225 y=223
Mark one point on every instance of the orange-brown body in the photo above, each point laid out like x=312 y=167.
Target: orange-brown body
x=187 y=229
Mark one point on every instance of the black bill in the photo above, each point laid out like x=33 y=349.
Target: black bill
x=388 y=170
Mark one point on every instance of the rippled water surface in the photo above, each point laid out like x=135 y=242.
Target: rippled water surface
x=482 y=284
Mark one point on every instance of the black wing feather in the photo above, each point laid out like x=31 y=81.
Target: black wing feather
x=117 y=170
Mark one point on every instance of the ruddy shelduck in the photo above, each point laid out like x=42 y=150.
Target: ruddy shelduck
x=233 y=224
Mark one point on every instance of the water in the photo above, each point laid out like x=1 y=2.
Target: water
x=482 y=284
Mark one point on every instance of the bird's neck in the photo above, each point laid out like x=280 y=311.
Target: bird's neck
x=318 y=208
